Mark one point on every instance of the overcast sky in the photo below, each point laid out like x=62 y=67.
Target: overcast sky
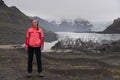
x=92 y=10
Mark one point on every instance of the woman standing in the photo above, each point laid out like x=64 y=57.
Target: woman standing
x=34 y=43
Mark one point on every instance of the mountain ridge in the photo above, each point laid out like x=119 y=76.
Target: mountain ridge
x=14 y=25
x=114 y=27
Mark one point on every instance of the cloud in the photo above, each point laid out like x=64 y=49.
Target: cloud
x=88 y=9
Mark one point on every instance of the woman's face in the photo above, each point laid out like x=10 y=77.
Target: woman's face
x=35 y=22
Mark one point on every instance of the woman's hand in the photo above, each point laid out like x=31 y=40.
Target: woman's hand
x=42 y=48
x=26 y=47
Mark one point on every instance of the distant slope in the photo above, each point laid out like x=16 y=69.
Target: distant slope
x=100 y=25
x=14 y=24
x=113 y=28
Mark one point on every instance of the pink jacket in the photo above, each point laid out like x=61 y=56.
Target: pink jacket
x=34 y=37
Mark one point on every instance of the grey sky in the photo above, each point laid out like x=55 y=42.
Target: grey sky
x=92 y=10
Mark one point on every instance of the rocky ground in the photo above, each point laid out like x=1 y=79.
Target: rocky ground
x=61 y=65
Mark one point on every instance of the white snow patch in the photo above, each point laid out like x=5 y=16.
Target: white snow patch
x=47 y=46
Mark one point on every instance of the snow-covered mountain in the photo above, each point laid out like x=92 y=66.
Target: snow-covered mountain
x=65 y=25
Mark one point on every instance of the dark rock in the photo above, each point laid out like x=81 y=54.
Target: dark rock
x=2 y=4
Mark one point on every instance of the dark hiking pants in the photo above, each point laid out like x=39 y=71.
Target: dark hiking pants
x=31 y=51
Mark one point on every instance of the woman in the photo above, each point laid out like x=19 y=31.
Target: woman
x=34 y=43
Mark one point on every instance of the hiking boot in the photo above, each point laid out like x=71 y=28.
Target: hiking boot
x=40 y=74
x=29 y=75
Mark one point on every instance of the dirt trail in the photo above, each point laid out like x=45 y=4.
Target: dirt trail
x=13 y=46
x=60 y=66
